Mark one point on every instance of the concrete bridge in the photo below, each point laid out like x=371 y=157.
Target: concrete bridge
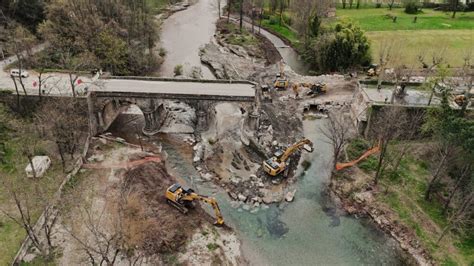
x=111 y=96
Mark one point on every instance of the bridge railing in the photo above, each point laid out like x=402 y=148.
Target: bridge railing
x=219 y=81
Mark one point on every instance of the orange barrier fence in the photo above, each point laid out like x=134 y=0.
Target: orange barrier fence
x=340 y=166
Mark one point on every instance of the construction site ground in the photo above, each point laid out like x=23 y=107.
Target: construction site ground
x=119 y=194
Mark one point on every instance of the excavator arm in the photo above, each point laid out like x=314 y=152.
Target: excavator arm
x=295 y=147
x=211 y=201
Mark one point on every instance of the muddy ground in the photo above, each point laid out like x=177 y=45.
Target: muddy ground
x=115 y=208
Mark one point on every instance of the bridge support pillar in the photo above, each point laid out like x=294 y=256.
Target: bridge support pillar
x=155 y=115
x=253 y=120
x=202 y=115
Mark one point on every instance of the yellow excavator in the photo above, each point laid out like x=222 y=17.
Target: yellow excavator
x=281 y=82
x=183 y=198
x=277 y=163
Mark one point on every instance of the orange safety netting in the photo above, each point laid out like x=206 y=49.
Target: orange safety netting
x=340 y=166
x=123 y=164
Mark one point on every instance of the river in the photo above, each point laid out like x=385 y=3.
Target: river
x=184 y=33
x=307 y=231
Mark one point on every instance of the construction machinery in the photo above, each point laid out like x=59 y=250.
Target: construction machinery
x=184 y=198
x=315 y=88
x=373 y=70
x=281 y=82
x=278 y=163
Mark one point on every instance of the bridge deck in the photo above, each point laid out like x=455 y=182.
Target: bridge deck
x=176 y=88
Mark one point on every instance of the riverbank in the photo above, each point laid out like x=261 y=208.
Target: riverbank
x=357 y=196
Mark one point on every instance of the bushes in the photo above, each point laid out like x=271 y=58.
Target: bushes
x=178 y=70
x=338 y=49
x=412 y=7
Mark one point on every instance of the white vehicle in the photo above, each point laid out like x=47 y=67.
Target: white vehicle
x=17 y=73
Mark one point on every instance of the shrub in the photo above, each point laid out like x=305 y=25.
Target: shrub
x=162 y=52
x=178 y=70
x=343 y=47
x=273 y=21
x=412 y=7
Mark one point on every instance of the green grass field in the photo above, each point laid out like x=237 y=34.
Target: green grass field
x=157 y=5
x=412 y=43
x=433 y=31
x=282 y=30
x=376 y=19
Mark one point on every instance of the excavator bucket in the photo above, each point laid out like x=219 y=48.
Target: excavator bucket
x=308 y=148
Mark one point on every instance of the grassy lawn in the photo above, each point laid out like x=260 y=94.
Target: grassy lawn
x=456 y=43
x=284 y=31
x=157 y=5
x=235 y=37
x=12 y=168
x=433 y=31
x=376 y=19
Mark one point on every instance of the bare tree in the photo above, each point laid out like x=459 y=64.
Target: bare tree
x=445 y=150
x=454 y=7
x=437 y=57
x=389 y=124
x=229 y=9
x=101 y=238
x=65 y=123
x=219 y=7
x=21 y=42
x=29 y=198
x=121 y=227
x=303 y=11
x=73 y=64
x=336 y=131
x=414 y=122
x=386 y=54
x=390 y=4
x=461 y=217
x=464 y=175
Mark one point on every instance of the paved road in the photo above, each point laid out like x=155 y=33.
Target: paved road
x=58 y=84
x=173 y=87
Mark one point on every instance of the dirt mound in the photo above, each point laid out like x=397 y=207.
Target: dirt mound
x=171 y=228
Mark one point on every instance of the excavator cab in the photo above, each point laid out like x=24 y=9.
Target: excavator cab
x=184 y=198
x=308 y=148
x=281 y=83
x=278 y=163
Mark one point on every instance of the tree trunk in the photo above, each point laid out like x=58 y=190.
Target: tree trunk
x=72 y=81
x=400 y=157
x=445 y=230
x=455 y=8
x=456 y=187
x=281 y=13
x=435 y=176
x=378 y=174
x=61 y=154
x=229 y=7
x=431 y=95
x=17 y=93
x=241 y=14
x=30 y=159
